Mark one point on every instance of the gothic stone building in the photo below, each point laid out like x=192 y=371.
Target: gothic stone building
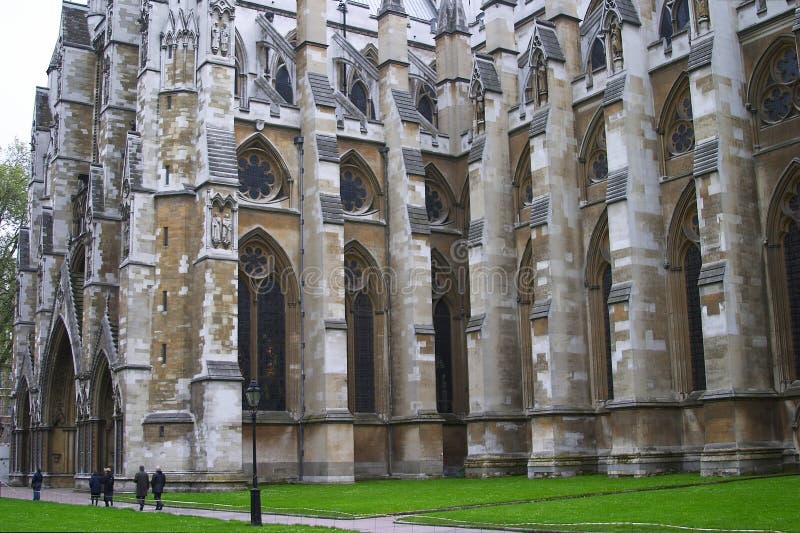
x=545 y=237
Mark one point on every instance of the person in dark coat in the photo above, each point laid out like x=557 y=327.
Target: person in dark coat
x=142 y=484
x=36 y=484
x=95 y=484
x=157 y=483
x=108 y=487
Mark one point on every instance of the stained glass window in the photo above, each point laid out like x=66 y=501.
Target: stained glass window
x=607 y=281
x=680 y=132
x=435 y=203
x=358 y=95
x=354 y=192
x=597 y=57
x=363 y=355
x=692 y=265
x=443 y=357
x=257 y=178
x=283 y=84
x=791 y=249
x=780 y=96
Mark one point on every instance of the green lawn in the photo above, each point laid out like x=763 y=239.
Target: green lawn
x=762 y=504
x=369 y=498
x=25 y=515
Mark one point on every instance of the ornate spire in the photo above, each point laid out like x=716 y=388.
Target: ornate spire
x=452 y=18
x=393 y=6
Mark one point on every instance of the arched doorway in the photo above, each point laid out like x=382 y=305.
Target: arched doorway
x=22 y=437
x=59 y=412
x=104 y=420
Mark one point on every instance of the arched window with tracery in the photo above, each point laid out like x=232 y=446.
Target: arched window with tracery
x=674 y=19
x=426 y=101
x=283 y=82
x=599 y=280
x=262 y=176
x=240 y=73
x=365 y=330
x=684 y=261
x=783 y=270
x=358 y=187
x=262 y=324
x=676 y=123
x=775 y=88
x=355 y=88
x=439 y=198
x=442 y=318
x=593 y=152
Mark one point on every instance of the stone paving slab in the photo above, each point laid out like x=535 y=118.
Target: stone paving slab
x=383 y=524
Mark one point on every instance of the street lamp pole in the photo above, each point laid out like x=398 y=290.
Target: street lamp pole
x=253 y=394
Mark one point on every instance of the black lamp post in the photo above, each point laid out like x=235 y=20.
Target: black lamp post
x=253 y=394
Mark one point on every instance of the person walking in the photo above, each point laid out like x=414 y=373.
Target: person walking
x=157 y=483
x=36 y=484
x=95 y=484
x=142 y=484
x=108 y=487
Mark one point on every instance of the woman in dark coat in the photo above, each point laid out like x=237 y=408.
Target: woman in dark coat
x=95 y=484
x=142 y=484
x=158 y=482
x=108 y=488
x=36 y=484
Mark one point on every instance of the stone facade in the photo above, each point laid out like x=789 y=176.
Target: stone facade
x=547 y=237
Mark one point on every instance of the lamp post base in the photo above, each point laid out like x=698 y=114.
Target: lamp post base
x=255 y=507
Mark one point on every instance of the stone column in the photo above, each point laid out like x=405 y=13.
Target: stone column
x=496 y=431
x=416 y=427
x=645 y=426
x=562 y=421
x=738 y=363
x=328 y=434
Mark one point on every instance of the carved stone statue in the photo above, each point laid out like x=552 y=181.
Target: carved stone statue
x=224 y=38
x=227 y=230
x=215 y=38
x=616 y=40
x=216 y=231
x=701 y=9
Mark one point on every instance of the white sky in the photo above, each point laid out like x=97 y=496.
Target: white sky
x=28 y=34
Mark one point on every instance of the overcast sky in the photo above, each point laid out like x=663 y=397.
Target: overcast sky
x=28 y=34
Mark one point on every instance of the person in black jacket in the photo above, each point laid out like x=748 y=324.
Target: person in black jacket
x=157 y=483
x=108 y=487
x=36 y=484
x=95 y=483
x=142 y=484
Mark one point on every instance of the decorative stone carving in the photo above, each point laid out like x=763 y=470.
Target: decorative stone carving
x=222 y=221
x=144 y=29
x=109 y=20
x=221 y=20
x=106 y=79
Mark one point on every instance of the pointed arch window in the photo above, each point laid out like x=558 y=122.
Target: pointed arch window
x=599 y=279
x=791 y=256
x=778 y=93
x=358 y=188
x=358 y=95
x=240 y=74
x=427 y=102
x=678 y=127
x=261 y=177
x=443 y=357
x=283 y=83
x=691 y=267
x=597 y=55
x=262 y=326
x=595 y=155
x=365 y=330
x=674 y=18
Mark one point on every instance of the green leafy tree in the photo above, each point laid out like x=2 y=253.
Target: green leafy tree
x=14 y=165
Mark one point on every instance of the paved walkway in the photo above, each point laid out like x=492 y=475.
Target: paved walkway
x=384 y=524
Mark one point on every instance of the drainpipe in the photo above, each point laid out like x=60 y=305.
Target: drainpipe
x=384 y=151
x=298 y=141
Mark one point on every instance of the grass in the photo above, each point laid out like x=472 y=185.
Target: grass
x=24 y=515
x=760 y=504
x=370 y=498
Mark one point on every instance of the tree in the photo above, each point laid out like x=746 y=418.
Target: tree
x=14 y=165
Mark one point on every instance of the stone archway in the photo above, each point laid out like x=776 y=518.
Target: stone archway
x=59 y=414
x=103 y=418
